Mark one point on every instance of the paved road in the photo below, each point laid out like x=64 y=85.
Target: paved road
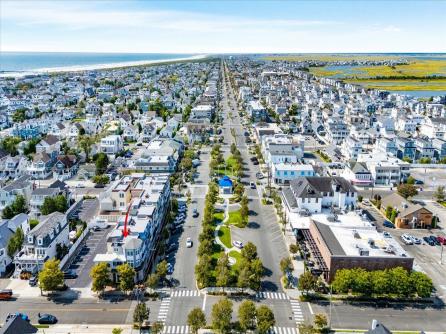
x=89 y=311
x=398 y=317
x=263 y=229
x=186 y=258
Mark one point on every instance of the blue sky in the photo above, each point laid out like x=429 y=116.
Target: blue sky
x=223 y=26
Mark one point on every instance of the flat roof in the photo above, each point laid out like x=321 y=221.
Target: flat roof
x=351 y=233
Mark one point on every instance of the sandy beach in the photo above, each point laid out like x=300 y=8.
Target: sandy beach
x=79 y=68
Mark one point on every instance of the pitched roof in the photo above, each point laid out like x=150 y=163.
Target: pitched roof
x=50 y=139
x=15 y=324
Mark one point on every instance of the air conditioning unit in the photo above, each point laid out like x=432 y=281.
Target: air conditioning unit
x=363 y=252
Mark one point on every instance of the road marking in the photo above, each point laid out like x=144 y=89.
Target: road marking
x=297 y=312
x=282 y=330
x=272 y=295
x=311 y=309
x=176 y=329
x=185 y=293
x=164 y=309
x=204 y=302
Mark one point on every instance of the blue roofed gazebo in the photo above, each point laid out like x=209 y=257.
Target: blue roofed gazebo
x=225 y=184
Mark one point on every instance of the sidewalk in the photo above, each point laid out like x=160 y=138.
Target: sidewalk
x=84 y=329
x=298 y=263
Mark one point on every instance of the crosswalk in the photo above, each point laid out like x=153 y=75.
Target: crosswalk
x=164 y=309
x=283 y=330
x=176 y=330
x=297 y=311
x=272 y=295
x=185 y=293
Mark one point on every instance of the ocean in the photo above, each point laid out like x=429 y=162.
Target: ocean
x=49 y=61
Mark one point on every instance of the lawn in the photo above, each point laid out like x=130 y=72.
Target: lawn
x=235 y=218
x=237 y=256
x=231 y=163
x=218 y=217
x=224 y=233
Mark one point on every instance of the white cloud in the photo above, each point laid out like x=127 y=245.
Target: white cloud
x=77 y=16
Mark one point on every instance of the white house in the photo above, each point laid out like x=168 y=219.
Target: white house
x=312 y=194
x=111 y=144
x=283 y=173
x=41 y=242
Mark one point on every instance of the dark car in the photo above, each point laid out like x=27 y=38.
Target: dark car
x=434 y=240
x=195 y=213
x=33 y=281
x=419 y=182
x=388 y=224
x=47 y=319
x=172 y=248
x=176 y=230
x=69 y=274
x=428 y=241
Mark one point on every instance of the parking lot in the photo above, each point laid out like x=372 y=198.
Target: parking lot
x=431 y=177
x=427 y=258
x=83 y=262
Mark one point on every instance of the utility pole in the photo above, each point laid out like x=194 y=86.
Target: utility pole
x=269 y=178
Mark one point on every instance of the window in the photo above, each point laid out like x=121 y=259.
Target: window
x=121 y=204
x=121 y=195
x=30 y=239
x=39 y=241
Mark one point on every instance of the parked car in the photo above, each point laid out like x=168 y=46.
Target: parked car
x=69 y=274
x=172 y=248
x=169 y=268
x=428 y=241
x=388 y=224
x=406 y=239
x=252 y=185
x=419 y=182
x=415 y=240
x=387 y=234
x=47 y=319
x=33 y=281
x=238 y=244
x=5 y=294
x=259 y=175
x=176 y=229
x=195 y=213
x=434 y=240
x=189 y=243
x=441 y=240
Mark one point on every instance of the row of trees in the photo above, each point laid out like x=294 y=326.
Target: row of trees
x=100 y=274
x=250 y=318
x=396 y=282
x=18 y=206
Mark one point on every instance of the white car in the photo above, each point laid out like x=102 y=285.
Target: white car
x=238 y=244
x=415 y=240
x=189 y=243
x=387 y=234
x=406 y=239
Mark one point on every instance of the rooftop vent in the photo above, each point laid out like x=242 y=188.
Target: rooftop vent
x=363 y=252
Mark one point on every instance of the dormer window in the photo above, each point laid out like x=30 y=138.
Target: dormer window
x=30 y=239
x=39 y=241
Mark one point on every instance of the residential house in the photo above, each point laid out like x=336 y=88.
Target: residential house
x=409 y=215
x=41 y=243
x=40 y=167
x=312 y=194
x=66 y=167
x=111 y=144
x=22 y=186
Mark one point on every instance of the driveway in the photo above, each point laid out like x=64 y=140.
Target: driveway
x=96 y=242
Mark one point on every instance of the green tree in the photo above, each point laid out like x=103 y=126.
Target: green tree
x=257 y=272
x=222 y=270
x=399 y=281
x=100 y=275
x=221 y=316
x=343 y=280
x=249 y=251
x=379 y=282
x=306 y=282
x=101 y=179
x=243 y=278
x=421 y=283
x=9 y=144
x=244 y=209
x=196 y=319
x=152 y=281
x=389 y=211
x=425 y=160
x=203 y=271
x=117 y=330
x=305 y=328
x=85 y=143
x=19 y=115
x=265 y=319
x=410 y=180
x=50 y=277
x=15 y=242
x=294 y=248
x=247 y=315
x=126 y=275
x=286 y=265
x=157 y=327
x=440 y=194
x=52 y=204
x=320 y=320
x=161 y=270
x=140 y=314
x=16 y=207
x=101 y=163
x=407 y=190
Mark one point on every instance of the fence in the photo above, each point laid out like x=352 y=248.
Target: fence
x=74 y=247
